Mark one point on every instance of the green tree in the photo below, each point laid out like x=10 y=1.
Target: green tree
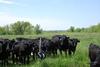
x=2 y=31
x=83 y=29
x=72 y=29
x=77 y=30
x=98 y=27
x=37 y=29
x=27 y=28
x=7 y=30
x=21 y=27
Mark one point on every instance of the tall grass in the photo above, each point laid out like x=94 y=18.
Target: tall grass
x=80 y=59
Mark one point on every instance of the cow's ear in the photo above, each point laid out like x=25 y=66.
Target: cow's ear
x=67 y=37
x=78 y=40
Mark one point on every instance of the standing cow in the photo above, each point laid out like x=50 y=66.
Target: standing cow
x=60 y=43
x=72 y=45
x=4 y=54
x=21 y=51
x=94 y=55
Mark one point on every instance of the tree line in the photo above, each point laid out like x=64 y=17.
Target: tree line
x=93 y=28
x=26 y=28
x=20 y=28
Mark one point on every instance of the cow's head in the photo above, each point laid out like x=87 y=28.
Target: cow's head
x=64 y=39
x=75 y=41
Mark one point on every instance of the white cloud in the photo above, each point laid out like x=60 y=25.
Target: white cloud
x=10 y=2
x=6 y=1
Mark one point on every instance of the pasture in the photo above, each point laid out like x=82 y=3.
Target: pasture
x=80 y=59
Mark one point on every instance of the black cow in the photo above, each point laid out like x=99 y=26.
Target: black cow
x=21 y=52
x=3 y=51
x=94 y=55
x=60 y=43
x=72 y=45
x=40 y=47
x=47 y=46
x=33 y=45
x=9 y=47
x=64 y=44
x=56 y=42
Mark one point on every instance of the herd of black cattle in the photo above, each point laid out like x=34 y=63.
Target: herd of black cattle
x=20 y=50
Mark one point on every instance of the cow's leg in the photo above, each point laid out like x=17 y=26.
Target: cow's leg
x=24 y=59
x=60 y=51
x=33 y=56
x=65 y=52
x=6 y=61
x=74 y=49
x=28 y=59
x=17 y=58
x=20 y=59
x=13 y=58
x=69 y=52
x=56 y=51
x=52 y=51
x=2 y=62
x=73 y=52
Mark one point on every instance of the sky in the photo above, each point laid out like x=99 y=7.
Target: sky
x=51 y=14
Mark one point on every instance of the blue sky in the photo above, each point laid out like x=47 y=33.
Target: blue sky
x=51 y=14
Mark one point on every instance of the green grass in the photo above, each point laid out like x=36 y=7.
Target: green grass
x=80 y=59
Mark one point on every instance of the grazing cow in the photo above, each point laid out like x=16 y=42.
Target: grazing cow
x=94 y=55
x=72 y=45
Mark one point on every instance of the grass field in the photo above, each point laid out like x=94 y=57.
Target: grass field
x=80 y=59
